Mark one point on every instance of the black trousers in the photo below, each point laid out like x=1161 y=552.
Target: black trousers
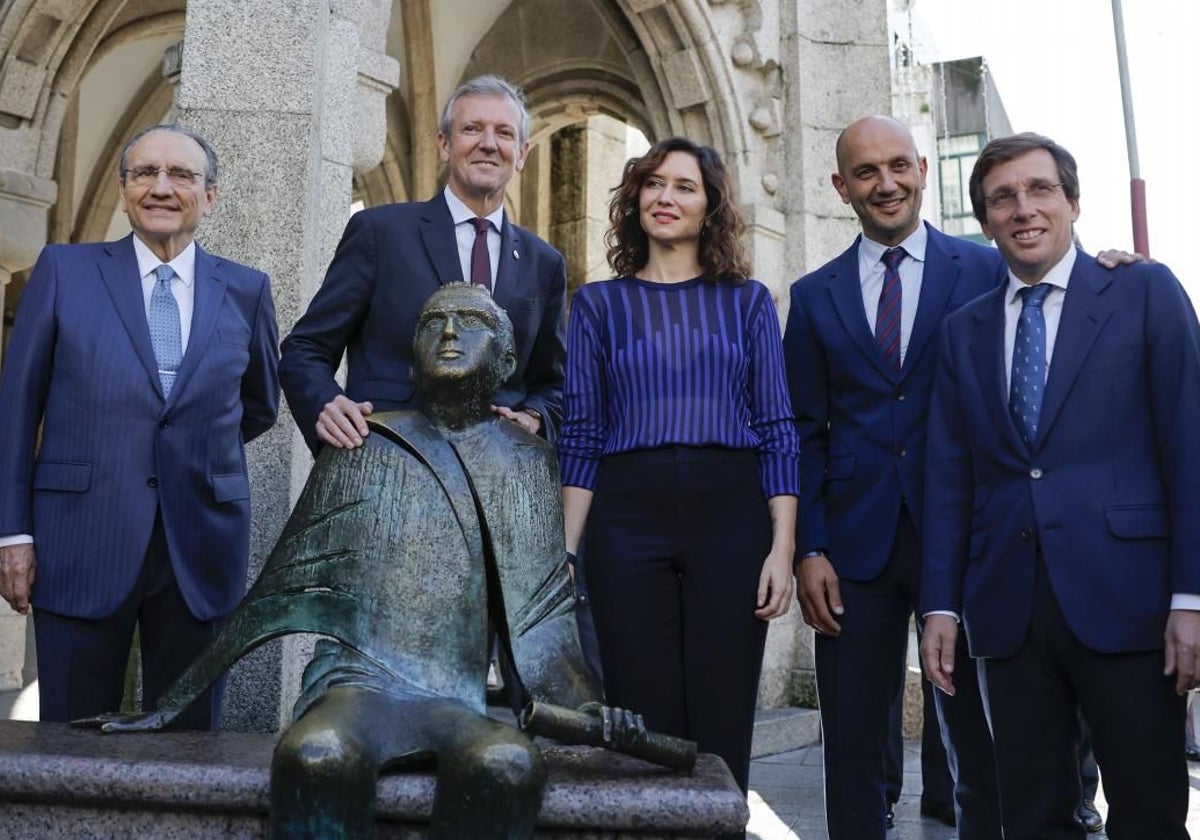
x=81 y=661
x=1034 y=699
x=676 y=540
x=859 y=675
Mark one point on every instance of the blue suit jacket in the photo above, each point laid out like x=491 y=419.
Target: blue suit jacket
x=390 y=260
x=1111 y=488
x=862 y=425
x=113 y=452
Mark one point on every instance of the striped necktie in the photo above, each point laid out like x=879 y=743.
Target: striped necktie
x=887 y=317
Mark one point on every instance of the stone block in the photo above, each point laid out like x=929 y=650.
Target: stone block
x=20 y=86
x=61 y=782
x=12 y=650
x=844 y=21
x=686 y=78
x=783 y=730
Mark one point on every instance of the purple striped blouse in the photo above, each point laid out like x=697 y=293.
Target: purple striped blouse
x=663 y=364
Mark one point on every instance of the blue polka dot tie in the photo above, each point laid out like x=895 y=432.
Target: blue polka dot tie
x=165 y=333
x=1029 y=362
x=887 y=317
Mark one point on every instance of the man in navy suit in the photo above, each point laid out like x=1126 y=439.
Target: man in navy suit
x=1063 y=509
x=391 y=258
x=860 y=407
x=147 y=363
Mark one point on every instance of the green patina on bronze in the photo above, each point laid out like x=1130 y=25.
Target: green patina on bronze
x=402 y=552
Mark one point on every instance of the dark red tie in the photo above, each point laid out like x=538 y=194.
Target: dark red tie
x=481 y=263
x=887 y=318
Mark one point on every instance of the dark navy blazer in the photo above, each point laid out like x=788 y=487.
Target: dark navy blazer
x=862 y=425
x=113 y=452
x=1110 y=491
x=390 y=260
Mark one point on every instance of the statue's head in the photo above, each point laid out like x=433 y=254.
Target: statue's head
x=464 y=348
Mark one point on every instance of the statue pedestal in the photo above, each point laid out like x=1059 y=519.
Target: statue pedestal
x=61 y=782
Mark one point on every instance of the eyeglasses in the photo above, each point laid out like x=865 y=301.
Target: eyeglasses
x=1007 y=199
x=177 y=175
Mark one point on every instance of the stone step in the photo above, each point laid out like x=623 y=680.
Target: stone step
x=783 y=730
x=61 y=782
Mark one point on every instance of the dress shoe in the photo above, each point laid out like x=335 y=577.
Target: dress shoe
x=890 y=815
x=940 y=811
x=1191 y=750
x=1088 y=817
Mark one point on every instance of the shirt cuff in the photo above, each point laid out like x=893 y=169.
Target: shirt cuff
x=27 y=539
x=950 y=613
x=1184 y=601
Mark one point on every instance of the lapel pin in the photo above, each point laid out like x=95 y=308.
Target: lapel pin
x=516 y=254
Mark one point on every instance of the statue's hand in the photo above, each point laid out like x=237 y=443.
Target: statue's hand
x=622 y=728
x=117 y=722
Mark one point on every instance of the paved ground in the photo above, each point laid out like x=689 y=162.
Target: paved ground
x=786 y=801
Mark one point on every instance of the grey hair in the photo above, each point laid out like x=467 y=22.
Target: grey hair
x=489 y=85
x=210 y=155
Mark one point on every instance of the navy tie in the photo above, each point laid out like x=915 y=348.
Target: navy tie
x=1029 y=362
x=481 y=263
x=165 y=334
x=887 y=317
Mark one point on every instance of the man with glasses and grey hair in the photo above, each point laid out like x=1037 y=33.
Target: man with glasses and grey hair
x=146 y=364
x=391 y=258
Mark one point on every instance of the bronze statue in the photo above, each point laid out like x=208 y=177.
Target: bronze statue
x=410 y=551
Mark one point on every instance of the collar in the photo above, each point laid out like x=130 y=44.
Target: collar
x=1059 y=275
x=461 y=213
x=184 y=263
x=914 y=244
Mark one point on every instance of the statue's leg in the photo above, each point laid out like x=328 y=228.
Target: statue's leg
x=325 y=766
x=490 y=777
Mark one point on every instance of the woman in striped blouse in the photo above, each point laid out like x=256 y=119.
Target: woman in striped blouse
x=679 y=452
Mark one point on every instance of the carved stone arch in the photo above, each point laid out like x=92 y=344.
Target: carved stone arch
x=146 y=105
x=391 y=180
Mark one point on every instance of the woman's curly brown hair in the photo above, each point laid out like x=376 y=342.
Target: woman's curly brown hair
x=722 y=256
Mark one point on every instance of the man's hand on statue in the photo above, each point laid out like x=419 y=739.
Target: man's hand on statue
x=341 y=423
x=18 y=570
x=527 y=421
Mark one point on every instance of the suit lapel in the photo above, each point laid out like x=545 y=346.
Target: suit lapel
x=1083 y=316
x=508 y=274
x=441 y=244
x=119 y=270
x=209 y=291
x=987 y=355
x=845 y=288
x=938 y=277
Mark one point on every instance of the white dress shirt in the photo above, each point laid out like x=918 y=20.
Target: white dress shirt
x=465 y=232
x=912 y=268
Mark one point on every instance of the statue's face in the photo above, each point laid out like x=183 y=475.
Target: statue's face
x=456 y=339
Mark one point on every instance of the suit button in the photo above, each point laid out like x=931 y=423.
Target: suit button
x=162 y=424
x=1026 y=534
x=1036 y=473
x=152 y=481
x=900 y=397
x=902 y=452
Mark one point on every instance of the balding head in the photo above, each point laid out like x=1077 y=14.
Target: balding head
x=882 y=177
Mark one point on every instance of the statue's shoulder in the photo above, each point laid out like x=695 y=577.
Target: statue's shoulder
x=399 y=422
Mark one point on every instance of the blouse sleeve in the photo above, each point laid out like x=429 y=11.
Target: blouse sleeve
x=585 y=400
x=771 y=415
